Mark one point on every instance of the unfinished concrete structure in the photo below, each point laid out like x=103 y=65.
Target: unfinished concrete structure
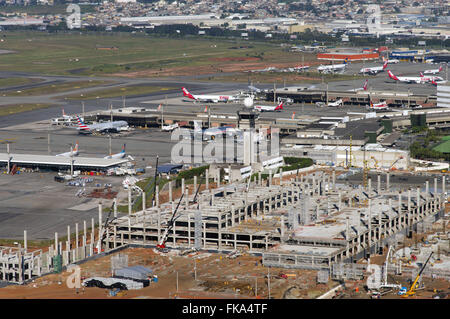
x=306 y=222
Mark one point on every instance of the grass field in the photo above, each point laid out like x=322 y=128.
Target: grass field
x=7 y=82
x=53 y=88
x=443 y=147
x=112 y=53
x=19 y=108
x=117 y=92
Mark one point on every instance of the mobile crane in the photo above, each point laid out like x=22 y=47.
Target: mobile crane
x=412 y=289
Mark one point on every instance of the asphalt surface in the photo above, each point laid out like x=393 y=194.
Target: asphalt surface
x=34 y=202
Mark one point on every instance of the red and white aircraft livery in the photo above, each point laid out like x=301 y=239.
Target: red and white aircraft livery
x=207 y=98
x=379 y=106
x=406 y=79
x=374 y=70
x=433 y=71
x=268 y=108
x=431 y=79
x=365 y=85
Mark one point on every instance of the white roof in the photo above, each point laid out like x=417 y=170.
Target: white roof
x=60 y=160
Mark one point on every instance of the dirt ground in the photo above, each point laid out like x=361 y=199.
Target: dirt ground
x=217 y=277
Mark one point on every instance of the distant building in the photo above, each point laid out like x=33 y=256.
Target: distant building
x=443 y=95
x=350 y=56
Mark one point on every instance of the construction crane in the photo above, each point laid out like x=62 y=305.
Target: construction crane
x=375 y=161
x=162 y=243
x=412 y=289
x=392 y=166
x=102 y=235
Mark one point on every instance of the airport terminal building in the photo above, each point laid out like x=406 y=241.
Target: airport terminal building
x=443 y=95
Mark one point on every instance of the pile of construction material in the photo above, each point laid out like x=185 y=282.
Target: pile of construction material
x=103 y=193
x=112 y=283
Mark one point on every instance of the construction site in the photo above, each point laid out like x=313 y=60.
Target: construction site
x=300 y=226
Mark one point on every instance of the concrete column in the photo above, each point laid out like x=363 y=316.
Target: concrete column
x=186 y=197
x=443 y=184
x=68 y=237
x=387 y=181
x=129 y=200
x=270 y=177
x=170 y=192
x=427 y=190
x=100 y=220
x=418 y=201
x=207 y=179
x=182 y=185
x=334 y=180
x=76 y=241
x=435 y=187
x=378 y=184
x=347 y=232
x=259 y=179
x=195 y=184
x=157 y=196
x=56 y=244
x=369 y=189
x=370 y=222
x=189 y=230
x=340 y=201
x=25 y=241
x=399 y=203
x=85 y=233
x=92 y=230
x=204 y=235
x=282 y=226
x=233 y=212
x=218 y=178
x=159 y=225
x=144 y=200
x=115 y=207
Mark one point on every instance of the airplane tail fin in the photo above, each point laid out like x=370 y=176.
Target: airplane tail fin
x=206 y=109
x=123 y=148
x=440 y=68
x=75 y=149
x=279 y=106
x=385 y=65
x=187 y=94
x=81 y=125
x=365 y=85
x=293 y=115
x=392 y=75
x=421 y=74
x=159 y=107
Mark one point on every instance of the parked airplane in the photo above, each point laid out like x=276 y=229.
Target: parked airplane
x=332 y=68
x=207 y=98
x=73 y=152
x=431 y=79
x=391 y=61
x=212 y=133
x=374 y=70
x=379 y=106
x=268 y=108
x=111 y=127
x=406 y=79
x=117 y=155
x=169 y=128
x=336 y=103
x=433 y=71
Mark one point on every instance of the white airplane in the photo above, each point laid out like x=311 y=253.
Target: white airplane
x=117 y=155
x=268 y=108
x=207 y=98
x=336 y=103
x=332 y=68
x=112 y=127
x=433 y=71
x=364 y=88
x=406 y=79
x=169 y=128
x=301 y=68
x=212 y=133
x=73 y=152
x=374 y=70
x=431 y=79
x=391 y=61
x=379 y=106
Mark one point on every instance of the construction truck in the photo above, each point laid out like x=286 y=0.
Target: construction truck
x=412 y=289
